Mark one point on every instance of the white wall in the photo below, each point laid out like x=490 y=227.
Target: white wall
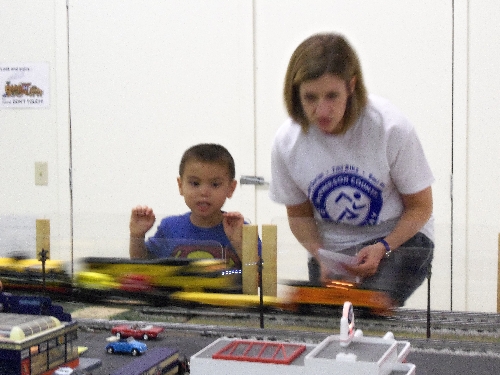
x=147 y=83
x=35 y=33
x=212 y=71
x=483 y=161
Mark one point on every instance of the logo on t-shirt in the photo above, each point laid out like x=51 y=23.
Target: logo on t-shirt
x=346 y=197
x=207 y=252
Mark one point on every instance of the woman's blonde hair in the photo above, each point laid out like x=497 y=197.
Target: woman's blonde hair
x=315 y=56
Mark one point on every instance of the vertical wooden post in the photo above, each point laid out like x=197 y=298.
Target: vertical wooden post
x=498 y=276
x=250 y=258
x=269 y=257
x=42 y=237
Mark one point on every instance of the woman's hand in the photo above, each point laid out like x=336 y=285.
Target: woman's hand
x=417 y=211
x=367 y=260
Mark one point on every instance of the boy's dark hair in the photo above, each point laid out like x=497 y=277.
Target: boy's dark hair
x=209 y=153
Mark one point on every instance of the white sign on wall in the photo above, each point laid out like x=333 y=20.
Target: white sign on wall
x=24 y=85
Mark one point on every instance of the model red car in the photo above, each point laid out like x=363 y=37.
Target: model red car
x=137 y=331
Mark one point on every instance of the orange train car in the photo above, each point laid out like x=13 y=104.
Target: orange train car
x=298 y=297
x=335 y=293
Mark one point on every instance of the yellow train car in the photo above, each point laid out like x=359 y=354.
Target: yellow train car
x=18 y=273
x=169 y=274
x=31 y=265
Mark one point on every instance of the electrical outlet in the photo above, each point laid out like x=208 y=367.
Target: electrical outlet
x=41 y=173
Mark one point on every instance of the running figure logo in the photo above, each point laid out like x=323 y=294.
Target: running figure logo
x=347 y=198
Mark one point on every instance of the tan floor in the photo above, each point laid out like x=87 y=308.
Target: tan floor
x=97 y=312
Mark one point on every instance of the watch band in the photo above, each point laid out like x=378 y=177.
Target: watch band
x=388 y=250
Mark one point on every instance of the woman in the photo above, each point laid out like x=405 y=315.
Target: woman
x=352 y=173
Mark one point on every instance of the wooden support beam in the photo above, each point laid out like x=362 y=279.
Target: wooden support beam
x=42 y=237
x=269 y=257
x=250 y=258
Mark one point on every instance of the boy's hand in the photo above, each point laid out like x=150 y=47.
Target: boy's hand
x=141 y=220
x=233 y=227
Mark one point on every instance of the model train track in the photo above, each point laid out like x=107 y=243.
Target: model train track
x=287 y=327
x=485 y=326
x=465 y=322
x=412 y=319
x=458 y=326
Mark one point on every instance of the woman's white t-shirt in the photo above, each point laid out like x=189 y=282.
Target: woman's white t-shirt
x=353 y=180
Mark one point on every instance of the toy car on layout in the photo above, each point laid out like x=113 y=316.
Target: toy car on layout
x=128 y=346
x=137 y=331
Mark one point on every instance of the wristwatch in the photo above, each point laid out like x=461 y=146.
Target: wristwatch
x=388 y=250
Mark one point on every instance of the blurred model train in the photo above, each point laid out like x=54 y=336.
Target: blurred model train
x=178 y=281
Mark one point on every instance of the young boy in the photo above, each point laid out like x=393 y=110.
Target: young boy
x=206 y=179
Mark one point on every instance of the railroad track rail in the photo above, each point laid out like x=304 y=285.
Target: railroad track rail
x=305 y=328
x=411 y=323
x=461 y=323
x=439 y=319
x=454 y=331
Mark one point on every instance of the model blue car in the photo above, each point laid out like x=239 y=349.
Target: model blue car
x=129 y=346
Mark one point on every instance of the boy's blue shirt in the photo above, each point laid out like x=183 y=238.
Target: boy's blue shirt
x=177 y=237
